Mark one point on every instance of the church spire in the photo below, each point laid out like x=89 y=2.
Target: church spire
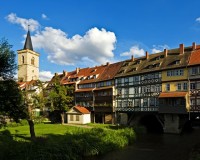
x=28 y=42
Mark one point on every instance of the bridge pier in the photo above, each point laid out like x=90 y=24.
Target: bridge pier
x=172 y=124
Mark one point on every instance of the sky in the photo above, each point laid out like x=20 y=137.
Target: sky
x=84 y=33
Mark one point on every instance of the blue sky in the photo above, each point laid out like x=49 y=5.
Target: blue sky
x=82 y=33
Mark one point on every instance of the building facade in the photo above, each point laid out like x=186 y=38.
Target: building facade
x=28 y=62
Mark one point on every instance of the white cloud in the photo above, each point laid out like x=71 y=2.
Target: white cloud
x=44 y=16
x=45 y=75
x=135 y=51
x=95 y=46
x=33 y=24
x=198 y=19
x=159 y=48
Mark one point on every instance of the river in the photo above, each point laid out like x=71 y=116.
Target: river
x=158 y=147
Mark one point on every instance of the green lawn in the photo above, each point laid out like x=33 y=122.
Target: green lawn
x=40 y=129
x=57 y=141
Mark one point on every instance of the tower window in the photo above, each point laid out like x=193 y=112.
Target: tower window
x=32 y=60
x=22 y=59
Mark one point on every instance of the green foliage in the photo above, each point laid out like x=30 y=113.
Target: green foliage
x=56 y=142
x=7 y=59
x=11 y=100
x=60 y=97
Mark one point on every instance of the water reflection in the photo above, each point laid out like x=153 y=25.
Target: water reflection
x=157 y=147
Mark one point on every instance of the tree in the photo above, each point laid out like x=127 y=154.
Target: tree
x=61 y=98
x=33 y=100
x=12 y=102
x=7 y=60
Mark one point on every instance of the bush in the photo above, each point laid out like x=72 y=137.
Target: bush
x=75 y=144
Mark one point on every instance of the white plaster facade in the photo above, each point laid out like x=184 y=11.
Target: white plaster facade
x=75 y=117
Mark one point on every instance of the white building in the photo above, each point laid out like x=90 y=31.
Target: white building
x=78 y=115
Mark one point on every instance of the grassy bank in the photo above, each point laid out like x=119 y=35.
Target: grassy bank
x=62 y=142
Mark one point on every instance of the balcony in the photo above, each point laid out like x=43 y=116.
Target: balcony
x=194 y=108
x=103 y=109
x=173 y=109
x=104 y=99
x=136 y=109
x=84 y=99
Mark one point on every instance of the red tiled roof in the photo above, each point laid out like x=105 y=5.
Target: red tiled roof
x=110 y=71
x=195 y=57
x=172 y=94
x=24 y=84
x=82 y=109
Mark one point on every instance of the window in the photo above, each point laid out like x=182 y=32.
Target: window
x=120 y=104
x=194 y=71
x=77 y=117
x=22 y=59
x=192 y=86
x=152 y=101
x=198 y=101
x=145 y=102
x=32 y=60
x=126 y=91
x=136 y=89
x=185 y=86
x=130 y=103
x=143 y=89
x=192 y=102
x=108 y=83
x=167 y=87
x=178 y=86
x=126 y=80
x=153 y=88
x=119 y=81
x=119 y=91
x=176 y=72
x=137 y=103
x=71 y=118
x=158 y=88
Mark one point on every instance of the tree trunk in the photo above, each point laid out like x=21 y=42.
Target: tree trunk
x=62 y=117
x=32 y=130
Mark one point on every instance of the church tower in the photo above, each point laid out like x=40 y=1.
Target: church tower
x=28 y=62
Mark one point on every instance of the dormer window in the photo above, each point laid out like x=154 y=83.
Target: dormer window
x=125 y=64
x=157 y=65
x=157 y=58
x=93 y=70
x=120 y=72
x=132 y=69
x=177 y=62
x=138 y=62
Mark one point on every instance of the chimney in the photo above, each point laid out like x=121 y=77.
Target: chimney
x=147 y=55
x=132 y=58
x=64 y=72
x=194 y=46
x=165 y=52
x=181 y=48
x=77 y=70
